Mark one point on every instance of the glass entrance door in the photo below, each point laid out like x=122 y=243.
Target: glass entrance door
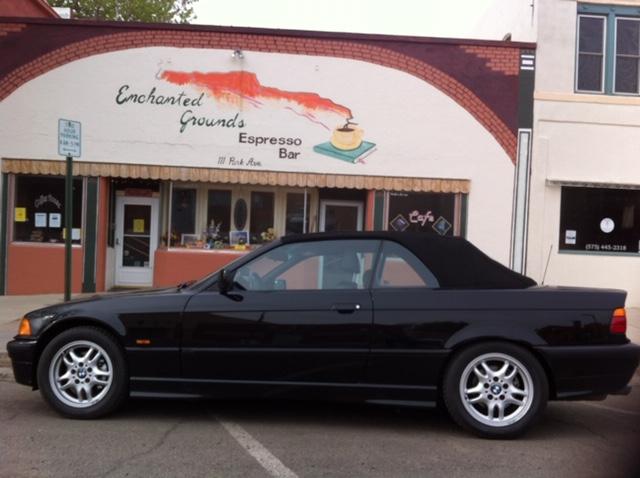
x=136 y=240
x=340 y=216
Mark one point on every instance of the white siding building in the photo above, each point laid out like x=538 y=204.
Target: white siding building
x=584 y=219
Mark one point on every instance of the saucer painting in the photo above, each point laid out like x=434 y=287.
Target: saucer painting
x=350 y=156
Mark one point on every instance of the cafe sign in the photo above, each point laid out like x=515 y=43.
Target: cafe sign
x=195 y=108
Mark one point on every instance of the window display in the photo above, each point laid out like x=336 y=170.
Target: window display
x=600 y=220
x=220 y=216
x=261 y=217
x=39 y=209
x=183 y=215
x=431 y=213
x=297 y=221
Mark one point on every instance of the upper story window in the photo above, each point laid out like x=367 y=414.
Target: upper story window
x=591 y=40
x=608 y=49
x=627 y=55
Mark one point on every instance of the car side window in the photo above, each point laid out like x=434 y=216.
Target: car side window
x=399 y=267
x=311 y=265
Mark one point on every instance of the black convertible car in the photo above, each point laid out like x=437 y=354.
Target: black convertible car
x=391 y=318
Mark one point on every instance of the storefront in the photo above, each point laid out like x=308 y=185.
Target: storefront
x=200 y=143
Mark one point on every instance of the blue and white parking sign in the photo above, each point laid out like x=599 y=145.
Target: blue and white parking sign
x=69 y=138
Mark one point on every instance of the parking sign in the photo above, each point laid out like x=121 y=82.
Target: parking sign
x=69 y=138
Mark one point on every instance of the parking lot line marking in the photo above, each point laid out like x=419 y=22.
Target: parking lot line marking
x=605 y=407
x=267 y=460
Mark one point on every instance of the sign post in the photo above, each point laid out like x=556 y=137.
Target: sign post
x=69 y=136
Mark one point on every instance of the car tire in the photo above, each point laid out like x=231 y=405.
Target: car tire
x=495 y=389
x=82 y=373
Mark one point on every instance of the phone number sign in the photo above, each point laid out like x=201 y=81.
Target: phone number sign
x=69 y=136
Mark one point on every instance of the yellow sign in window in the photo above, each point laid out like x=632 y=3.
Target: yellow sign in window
x=138 y=226
x=20 y=214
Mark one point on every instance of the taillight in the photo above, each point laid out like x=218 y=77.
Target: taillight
x=618 y=322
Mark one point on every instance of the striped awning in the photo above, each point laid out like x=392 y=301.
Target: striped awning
x=237 y=176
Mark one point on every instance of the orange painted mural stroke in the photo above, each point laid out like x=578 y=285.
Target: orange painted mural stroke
x=235 y=86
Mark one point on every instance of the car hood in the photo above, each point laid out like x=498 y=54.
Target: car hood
x=62 y=306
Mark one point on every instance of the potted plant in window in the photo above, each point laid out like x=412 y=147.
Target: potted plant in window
x=212 y=235
x=268 y=235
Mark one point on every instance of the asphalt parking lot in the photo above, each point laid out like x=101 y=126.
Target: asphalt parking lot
x=288 y=439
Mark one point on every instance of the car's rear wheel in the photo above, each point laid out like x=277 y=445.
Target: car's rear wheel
x=495 y=389
x=82 y=373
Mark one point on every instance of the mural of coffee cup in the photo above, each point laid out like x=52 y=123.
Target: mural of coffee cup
x=347 y=137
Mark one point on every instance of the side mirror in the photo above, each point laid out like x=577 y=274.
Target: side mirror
x=224 y=281
x=280 y=284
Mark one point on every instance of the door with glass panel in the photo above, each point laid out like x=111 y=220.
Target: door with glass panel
x=136 y=240
x=340 y=216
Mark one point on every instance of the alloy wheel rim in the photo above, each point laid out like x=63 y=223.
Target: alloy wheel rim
x=81 y=374
x=496 y=389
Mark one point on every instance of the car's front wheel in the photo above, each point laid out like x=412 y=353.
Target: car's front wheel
x=495 y=389
x=82 y=373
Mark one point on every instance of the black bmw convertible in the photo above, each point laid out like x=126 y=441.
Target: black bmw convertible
x=378 y=317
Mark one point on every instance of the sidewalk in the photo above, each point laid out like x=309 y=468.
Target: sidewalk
x=13 y=307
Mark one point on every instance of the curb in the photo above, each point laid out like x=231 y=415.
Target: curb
x=6 y=374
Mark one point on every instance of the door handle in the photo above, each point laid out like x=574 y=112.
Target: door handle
x=117 y=241
x=345 y=308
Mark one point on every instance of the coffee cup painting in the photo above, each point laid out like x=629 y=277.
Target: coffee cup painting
x=347 y=137
x=346 y=140
x=347 y=144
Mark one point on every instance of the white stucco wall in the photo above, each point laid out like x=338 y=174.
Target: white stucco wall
x=418 y=130
x=577 y=138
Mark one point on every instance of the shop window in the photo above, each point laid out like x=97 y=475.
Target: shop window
x=218 y=216
x=608 y=49
x=39 y=209
x=261 y=217
x=431 y=213
x=211 y=216
x=296 y=222
x=600 y=220
x=183 y=216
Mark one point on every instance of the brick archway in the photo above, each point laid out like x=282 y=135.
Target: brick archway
x=273 y=44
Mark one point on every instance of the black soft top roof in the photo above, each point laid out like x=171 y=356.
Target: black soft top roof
x=453 y=260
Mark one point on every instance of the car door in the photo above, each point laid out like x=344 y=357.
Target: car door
x=300 y=313
x=408 y=333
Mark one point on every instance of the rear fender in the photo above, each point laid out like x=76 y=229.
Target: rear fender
x=511 y=333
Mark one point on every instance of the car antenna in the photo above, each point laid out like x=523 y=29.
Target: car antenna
x=547 y=266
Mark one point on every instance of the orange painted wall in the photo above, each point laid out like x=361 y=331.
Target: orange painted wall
x=172 y=267
x=39 y=269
